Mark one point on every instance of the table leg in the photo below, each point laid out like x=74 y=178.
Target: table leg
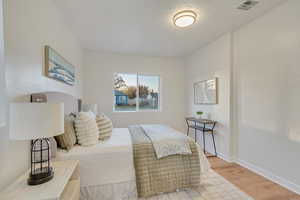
x=203 y=134
x=213 y=137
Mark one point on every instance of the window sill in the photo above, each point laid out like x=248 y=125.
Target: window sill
x=140 y=111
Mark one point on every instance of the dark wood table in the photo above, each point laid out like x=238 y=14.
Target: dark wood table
x=204 y=126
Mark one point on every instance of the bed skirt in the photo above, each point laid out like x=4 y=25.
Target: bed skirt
x=116 y=191
x=212 y=187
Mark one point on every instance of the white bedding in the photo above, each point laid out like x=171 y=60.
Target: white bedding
x=108 y=162
x=107 y=169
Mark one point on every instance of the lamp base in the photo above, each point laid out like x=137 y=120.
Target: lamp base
x=40 y=176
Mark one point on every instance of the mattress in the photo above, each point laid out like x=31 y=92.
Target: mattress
x=107 y=162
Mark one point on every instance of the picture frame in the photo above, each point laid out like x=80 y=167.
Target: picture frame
x=206 y=92
x=58 y=68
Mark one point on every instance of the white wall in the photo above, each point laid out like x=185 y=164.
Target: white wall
x=98 y=86
x=267 y=68
x=36 y=24
x=209 y=62
x=263 y=83
x=2 y=70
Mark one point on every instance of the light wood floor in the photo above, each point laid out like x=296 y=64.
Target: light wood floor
x=251 y=183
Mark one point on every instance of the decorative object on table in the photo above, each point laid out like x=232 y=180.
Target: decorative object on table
x=206 y=92
x=199 y=114
x=90 y=107
x=37 y=122
x=58 y=68
x=204 y=126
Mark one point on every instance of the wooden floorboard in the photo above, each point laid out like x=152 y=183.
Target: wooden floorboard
x=251 y=183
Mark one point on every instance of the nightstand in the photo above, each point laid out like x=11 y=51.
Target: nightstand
x=64 y=186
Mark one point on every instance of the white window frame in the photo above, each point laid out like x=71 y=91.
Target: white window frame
x=137 y=93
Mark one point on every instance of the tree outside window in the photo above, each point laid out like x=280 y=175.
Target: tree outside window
x=135 y=92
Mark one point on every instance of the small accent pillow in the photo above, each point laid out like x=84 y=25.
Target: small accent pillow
x=68 y=139
x=86 y=129
x=105 y=127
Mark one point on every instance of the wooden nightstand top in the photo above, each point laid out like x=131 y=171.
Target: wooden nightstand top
x=19 y=190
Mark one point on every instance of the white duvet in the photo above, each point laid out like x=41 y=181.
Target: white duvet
x=107 y=162
x=110 y=162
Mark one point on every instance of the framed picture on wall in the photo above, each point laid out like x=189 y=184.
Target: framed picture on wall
x=206 y=92
x=58 y=68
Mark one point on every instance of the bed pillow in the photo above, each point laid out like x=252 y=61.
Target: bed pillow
x=86 y=129
x=68 y=139
x=105 y=127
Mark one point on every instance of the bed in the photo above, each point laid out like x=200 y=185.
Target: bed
x=107 y=169
x=115 y=169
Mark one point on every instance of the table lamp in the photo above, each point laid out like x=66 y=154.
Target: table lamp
x=37 y=122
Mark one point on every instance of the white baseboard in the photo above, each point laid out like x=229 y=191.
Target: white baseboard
x=222 y=156
x=265 y=173
x=225 y=157
x=272 y=177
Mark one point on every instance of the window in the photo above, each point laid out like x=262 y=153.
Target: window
x=135 y=92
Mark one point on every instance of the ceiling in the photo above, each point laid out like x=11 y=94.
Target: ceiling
x=145 y=27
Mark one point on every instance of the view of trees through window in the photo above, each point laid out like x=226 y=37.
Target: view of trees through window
x=134 y=92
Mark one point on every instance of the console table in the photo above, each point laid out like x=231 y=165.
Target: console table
x=203 y=125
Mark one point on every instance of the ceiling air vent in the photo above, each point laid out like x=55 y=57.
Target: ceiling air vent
x=247 y=5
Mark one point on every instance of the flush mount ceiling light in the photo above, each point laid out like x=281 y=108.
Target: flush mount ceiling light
x=184 y=18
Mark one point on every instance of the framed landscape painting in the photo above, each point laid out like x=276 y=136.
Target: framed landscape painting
x=206 y=92
x=58 y=68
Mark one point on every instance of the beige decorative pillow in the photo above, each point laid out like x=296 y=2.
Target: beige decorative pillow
x=86 y=129
x=105 y=127
x=68 y=139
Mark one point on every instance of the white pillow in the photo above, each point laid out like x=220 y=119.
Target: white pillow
x=86 y=129
x=105 y=127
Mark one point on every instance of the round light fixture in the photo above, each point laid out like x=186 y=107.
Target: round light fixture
x=184 y=18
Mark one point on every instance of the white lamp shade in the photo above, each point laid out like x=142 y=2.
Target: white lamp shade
x=90 y=107
x=30 y=121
